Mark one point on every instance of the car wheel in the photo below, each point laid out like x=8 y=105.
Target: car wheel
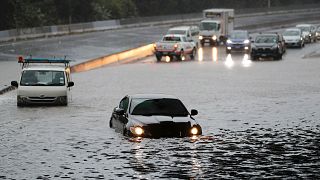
x=110 y=123
x=181 y=56
x=193 y=54
x=20 y=104
x=158 y=58
x=253 y=58
x=228 y=51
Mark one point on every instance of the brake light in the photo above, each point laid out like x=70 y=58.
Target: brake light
x=20 y=59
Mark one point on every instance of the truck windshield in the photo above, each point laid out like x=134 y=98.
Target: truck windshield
x=209 y=26
x=171 y=38
x=42 y=78
x=162 y=107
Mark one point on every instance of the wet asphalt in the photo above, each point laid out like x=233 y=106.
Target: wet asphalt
x=260 y=121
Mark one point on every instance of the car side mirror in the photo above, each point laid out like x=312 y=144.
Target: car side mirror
x=193 y=112
x=119 y=111
x=70 y=84
x=14 y=83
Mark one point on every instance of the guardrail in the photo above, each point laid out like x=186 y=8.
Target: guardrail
x=48 y=31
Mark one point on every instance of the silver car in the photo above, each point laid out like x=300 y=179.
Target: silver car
x=308 y=32
x=293 y=37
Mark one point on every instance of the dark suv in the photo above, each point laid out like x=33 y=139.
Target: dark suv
x=268 y=45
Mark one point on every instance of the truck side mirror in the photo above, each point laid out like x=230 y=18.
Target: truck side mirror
x=70 y=84
x=14 y=83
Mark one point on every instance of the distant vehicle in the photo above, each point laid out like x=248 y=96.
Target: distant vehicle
x=216 y=26
x=293 y=37
x=268 y=45
x=191 y=32
x=175 y=45
x=318 y=33
x=308 y=32
x=238 y=40
x=154 y=115
x=43 y=82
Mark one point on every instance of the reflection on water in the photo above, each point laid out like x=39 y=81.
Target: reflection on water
x=229 y=62
x=246 y=62
x=214 y=54
x=200 y=54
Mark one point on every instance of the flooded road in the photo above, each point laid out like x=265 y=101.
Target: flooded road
x=260 y=120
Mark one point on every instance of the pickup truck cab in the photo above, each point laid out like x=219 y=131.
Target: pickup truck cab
x=191 y=32
x=43 y=82
x=174 y=46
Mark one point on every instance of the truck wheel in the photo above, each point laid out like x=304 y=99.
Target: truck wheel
x=181 y=56
x=193 y=54
x=158 y=58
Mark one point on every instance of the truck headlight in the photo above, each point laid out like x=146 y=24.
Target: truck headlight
x=246 y=41
x=214 y=37
x=200 y=37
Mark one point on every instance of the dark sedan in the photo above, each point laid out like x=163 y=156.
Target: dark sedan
x=154 y=115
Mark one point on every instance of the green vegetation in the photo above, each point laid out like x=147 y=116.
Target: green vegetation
x=34 y=13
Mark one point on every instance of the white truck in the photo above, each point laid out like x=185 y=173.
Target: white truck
x=216 y=26
x=43 y=82
x=175 y=46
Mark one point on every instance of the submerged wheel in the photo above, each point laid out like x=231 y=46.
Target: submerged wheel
x=158 y=58
x=193 y=54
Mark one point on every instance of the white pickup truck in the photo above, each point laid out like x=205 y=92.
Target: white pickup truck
x=175 y=46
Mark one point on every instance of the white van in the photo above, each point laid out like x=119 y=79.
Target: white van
x=43 y=81
x=190 y=32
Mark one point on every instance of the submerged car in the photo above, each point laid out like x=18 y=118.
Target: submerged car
x=154 y=116
x=238 y=40
x=308 y=32
x=268 y=45
x=293 y=37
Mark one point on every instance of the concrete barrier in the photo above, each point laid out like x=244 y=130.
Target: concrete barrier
x=124 y=56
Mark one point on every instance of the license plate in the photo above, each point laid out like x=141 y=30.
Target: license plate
x=207 y=40
x=264 y=55
x=165 y=53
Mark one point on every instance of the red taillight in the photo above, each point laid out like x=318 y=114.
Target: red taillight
x=175 y=46
x=20 y=59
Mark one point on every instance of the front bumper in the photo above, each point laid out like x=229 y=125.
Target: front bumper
x=293 y=43
x=238 y=47
x=167 y=53
x=264 y=52
x=24 y=100
x=168 y=129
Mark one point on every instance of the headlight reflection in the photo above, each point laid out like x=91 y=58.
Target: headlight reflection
x=200 y=54
x=229 y=62
x=214 y=54
x=246 y=62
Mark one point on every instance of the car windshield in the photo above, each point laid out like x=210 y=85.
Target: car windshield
x=291 y=33
x=238 y=35
x=171 y=38
x=182 y=32
x=42 y=78
x=304 y=28
x=163 y=107
x=209 y=26
x=266 y=39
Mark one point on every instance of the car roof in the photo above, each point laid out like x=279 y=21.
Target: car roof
x=268 y=34
x=180 y=28
x=153 y=96
x=302 y=25
x=40 y=67
x=174 y=35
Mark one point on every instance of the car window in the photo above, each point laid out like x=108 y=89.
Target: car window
x=124 y=103
x=291 y=33
x=164 y=106
x=42 y=78
x=238 y=35
x=171 y=38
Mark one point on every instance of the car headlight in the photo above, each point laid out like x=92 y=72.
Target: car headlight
x=301 y=39
x=246 y=41
x=200 y=37
x=214 y=37
x=275 y=46
x=137 y=130
x=194 y=131
x=229 y=41
x=310 y=35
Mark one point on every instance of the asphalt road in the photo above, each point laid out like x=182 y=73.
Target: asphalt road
x=260 y=120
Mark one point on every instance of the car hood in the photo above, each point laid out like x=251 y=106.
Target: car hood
x=237 y=40
x=145 y=120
